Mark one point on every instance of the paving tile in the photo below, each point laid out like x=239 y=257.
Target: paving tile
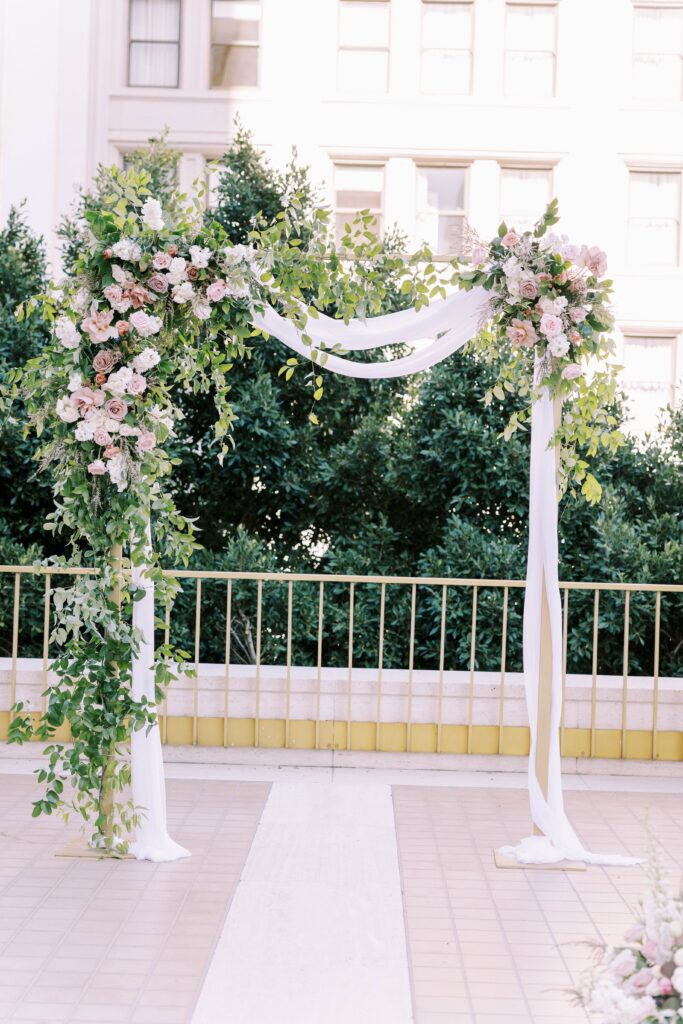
x=512 y=937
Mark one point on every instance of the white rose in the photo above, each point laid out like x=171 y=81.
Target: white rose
x=145 y=360
x=570 y=252
x=67 y=332
x=558 y=344
x=678 y=955
x=183 y=292
x=201 y=307
x=151 y=214
x=512 y=267
x=199 y=256
x=116 y=468
x=120 y=275
x=75 y=381
x=86 y=429
x=177 y=271
x=551 y=325
x=66 y=411
x=677 y=979
x=126 y=249
x=81 y=301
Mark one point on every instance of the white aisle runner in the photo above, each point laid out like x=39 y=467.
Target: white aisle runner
x=315 y=933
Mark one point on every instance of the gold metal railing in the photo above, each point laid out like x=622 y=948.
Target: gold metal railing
x=439 y=736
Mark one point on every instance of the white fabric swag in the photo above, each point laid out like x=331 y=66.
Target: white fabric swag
x=452 y=321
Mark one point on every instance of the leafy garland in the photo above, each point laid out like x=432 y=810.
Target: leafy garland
x=159 y=302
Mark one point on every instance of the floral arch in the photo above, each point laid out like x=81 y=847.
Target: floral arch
x=153 y=307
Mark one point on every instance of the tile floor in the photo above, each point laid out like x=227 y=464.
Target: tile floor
x=100 y=942
x=103 y=942
x=487 y=945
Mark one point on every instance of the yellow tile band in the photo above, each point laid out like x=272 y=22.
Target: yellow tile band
x=393 y=737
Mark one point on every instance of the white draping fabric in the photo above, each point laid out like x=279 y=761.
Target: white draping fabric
x=453 y=321
x=152 y=840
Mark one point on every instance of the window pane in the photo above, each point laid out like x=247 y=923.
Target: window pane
x=524 y=195
x=648 y=379
x=653 y=242
x=153 y=64
x=657 y=76
x=530 y=27
x=442 y=233
x=364 y=24
x=155 y=19
x=446 y=71
x=440 y=189
x=654 y=194
x=447 y=26
x=658 y=30
x=342 y=219
x=363 y=70
x=234 y=66
x=530 y=74
x=357 y=188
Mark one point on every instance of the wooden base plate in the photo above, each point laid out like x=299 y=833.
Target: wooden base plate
x=79 y=848
x=506 y=860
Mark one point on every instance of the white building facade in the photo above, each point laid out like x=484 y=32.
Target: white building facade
x=428 y=112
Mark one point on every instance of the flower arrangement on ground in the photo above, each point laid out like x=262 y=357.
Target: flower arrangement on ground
x=641 y=981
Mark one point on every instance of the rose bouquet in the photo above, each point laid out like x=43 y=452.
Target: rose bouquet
x=641 y=981
x=551 y=301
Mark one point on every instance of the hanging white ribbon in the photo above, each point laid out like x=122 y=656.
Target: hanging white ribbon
x=454 y=321
x=147 y=764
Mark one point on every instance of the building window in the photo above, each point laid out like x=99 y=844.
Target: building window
x=524 y=194
x=654 y=212
x=363 y=56
x=530 y=50
x=446 y=58
x=649 y=379
x=154 y=43
x=235 y=31
x=441 y=208
x=658 y=52
x=358 y=187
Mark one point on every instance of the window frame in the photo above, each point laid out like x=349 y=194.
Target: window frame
x=431 y=49
x=363 y=49
x=547 y=4
x=654 y=333
x=380 y=165
x=657 y=5
x=547 y=168
x=247 y=45
x=165 y=42
x=447 y=165
x=655 y=169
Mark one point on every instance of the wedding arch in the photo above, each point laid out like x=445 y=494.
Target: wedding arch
x=154 y=306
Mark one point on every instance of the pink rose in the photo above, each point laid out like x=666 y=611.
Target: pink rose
x=665 y=987
x=551 y=325
x=146 y=441
x=528 y=289
x=510 y=239
x=103 y=361
x=478 y=255
x=116 y=408
x=216 y=290
x=623 y=964
x=85 y=399
x=136 y=384
x=113 y=294
x=101 y=436
x=158 y=283
x=161 y=261
x=522 y=333
x=97 y=468
x=649 y=950
x=111 y=451
x=594 y=260
x=137 y=295
x=574 y=337
x=639 y=981
x=578 y=314
x=97 y=325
